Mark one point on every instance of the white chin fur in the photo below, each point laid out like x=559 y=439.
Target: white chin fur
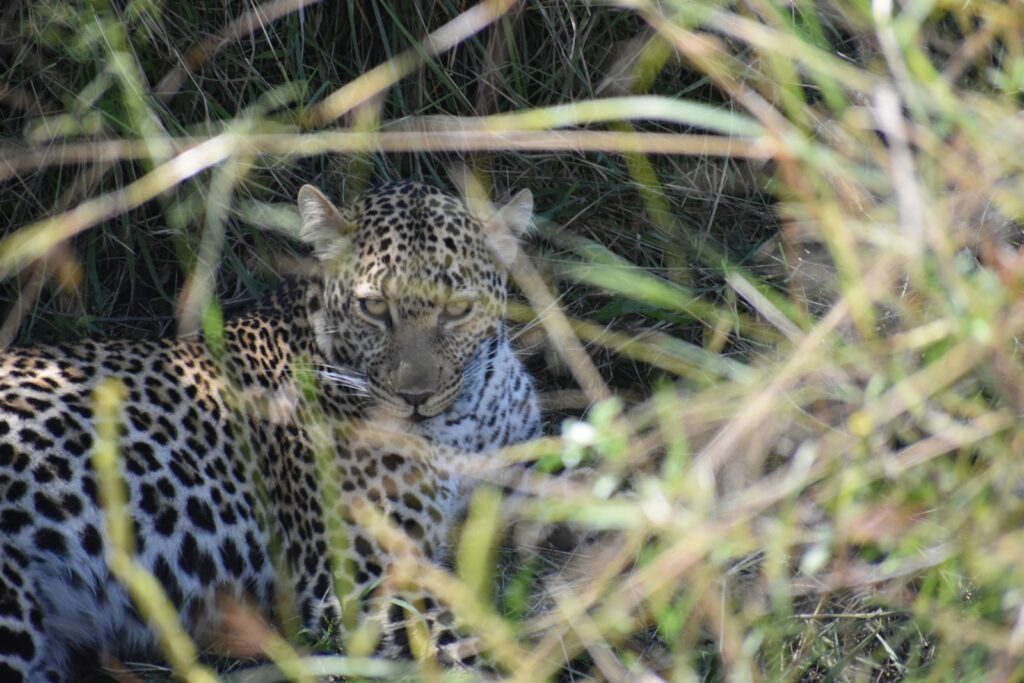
x=394 y=409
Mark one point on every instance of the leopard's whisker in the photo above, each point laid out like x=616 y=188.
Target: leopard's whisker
x=341 y=376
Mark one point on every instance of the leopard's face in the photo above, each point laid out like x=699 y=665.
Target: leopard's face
x=413 y=284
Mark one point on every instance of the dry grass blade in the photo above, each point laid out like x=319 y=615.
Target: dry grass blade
x=242 y=26
x=379 y=79
x=421 y=139
x=35 y=240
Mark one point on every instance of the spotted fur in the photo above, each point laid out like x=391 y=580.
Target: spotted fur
x=399 y=324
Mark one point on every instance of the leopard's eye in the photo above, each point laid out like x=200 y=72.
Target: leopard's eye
x=377 y=309
x=457 y=309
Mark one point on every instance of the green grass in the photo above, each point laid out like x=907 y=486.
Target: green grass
x=786 y=235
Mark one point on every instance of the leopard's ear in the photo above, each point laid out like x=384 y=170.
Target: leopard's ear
x=508 y=224
x=324 y=227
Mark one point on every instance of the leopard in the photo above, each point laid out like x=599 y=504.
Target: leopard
x=368 y=377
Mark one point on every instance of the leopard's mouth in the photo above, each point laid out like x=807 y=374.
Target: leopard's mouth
x=425 y=411
x=402 y=410
x=399 y=408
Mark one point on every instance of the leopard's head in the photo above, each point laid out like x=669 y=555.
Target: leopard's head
x=412 y=282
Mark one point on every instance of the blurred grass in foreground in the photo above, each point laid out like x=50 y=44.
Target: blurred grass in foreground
x=796 y=267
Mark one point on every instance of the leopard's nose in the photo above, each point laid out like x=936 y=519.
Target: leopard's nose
x=415 y=381
x=415 y=398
